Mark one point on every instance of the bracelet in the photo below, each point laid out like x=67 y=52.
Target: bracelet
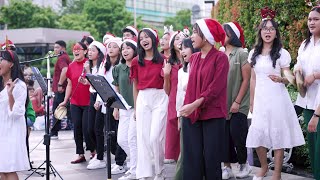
x=60 y=85
x=316 y=115
x=237 y=102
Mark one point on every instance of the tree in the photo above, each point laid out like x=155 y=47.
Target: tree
x=182 y=19
x=78 y=22
x=74 y=7
x=108 y=15
x=24 y=14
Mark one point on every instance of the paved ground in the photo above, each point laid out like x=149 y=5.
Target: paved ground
x=63 y=151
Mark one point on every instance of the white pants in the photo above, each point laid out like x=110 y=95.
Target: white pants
x=127 y=136
x=151 y=114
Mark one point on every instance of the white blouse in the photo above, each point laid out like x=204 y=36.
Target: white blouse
x=183 y=78
x=309 y=61
x=109 y=78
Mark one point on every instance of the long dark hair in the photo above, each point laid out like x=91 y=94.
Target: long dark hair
x=233 y=38
x=309 y=34
x=123 y=61
x=276 y=46
x=187 y=43
x=173 y=57
x=108 y=64
x=16 y=70
x=99 y=60
x=157 y=58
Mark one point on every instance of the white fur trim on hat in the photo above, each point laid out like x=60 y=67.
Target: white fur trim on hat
x=100 y=46
x=175 y=33
x=134 y=30
x=153 y=31
x=130 y=41
x=205 y=30
x=234 y=28
x=116 y=40
x=106 y=37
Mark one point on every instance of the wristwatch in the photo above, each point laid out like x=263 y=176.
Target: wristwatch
x=60 y=85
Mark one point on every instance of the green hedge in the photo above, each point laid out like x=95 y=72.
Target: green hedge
x=291 y=17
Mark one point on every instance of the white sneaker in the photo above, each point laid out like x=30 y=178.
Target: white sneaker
x=159 y=177
x=97 y=164
x=169 y=161
x=128 y=176
x=118 y=170
x=245 y=170
x=227 y=173
x=93 y=159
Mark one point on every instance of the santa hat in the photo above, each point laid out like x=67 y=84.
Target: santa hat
x=131 y=28
x=100 y=46
x=116 y=40
x=130 y=41
x=236 y=28
x=186 y=31
x=212 y=30
x=174 y=34
x=154 y=32
x=107 y=36
x=8 y=43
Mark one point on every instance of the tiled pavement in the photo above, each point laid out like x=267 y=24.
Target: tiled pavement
x=62 y=151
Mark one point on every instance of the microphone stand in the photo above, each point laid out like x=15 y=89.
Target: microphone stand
x=47 y=136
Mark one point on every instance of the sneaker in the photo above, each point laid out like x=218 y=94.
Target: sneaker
x=118 y=170
x=245 y=170
x=127 y=176
x=169 y=161
x=54 y=137
x=97 y=164
x=93 y=159
x=227 y=173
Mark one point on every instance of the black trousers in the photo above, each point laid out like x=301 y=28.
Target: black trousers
x=92 y=113
x=120 y=155
x=236 y=131
x=202 y=148
x=80 y=119
x=56 y=124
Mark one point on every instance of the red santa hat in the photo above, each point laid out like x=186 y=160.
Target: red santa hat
x=132 y=41
x=174 y=34
x=100 y=46
x=236 y=28
x=116 y=40
x=154 y=32
x=8 y=43
x=212 y=30
x=131 y=28
x=107 y=36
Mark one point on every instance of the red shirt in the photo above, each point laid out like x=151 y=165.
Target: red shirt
x=62 y=62
x=80 y=94
x=147 y=76
x=208 y=79
x=172 y=112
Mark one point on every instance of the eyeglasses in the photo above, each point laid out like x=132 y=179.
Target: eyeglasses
x=270 y=29
x=77 y=48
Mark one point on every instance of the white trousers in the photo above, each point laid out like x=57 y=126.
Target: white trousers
x=127 y=136
x=151 y=114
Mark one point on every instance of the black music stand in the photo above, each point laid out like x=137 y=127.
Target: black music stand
x=110 y=99
x=46 y=138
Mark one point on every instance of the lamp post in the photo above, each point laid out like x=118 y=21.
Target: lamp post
x=212 y=9
x=135 y=13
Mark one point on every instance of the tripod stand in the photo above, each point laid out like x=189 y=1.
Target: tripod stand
x=111 y=100
x=46 y=88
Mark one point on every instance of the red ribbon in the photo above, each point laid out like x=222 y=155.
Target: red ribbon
x=265 y=12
